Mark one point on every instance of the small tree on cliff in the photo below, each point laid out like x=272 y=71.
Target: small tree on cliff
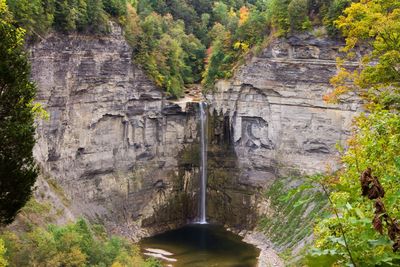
x=17 y=169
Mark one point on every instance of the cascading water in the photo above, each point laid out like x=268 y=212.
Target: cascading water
x=203 y=162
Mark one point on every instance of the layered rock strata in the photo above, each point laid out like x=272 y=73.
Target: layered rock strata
x=112 y=141
x=280 y=124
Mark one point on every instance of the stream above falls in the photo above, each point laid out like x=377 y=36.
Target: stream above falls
x=199 y=245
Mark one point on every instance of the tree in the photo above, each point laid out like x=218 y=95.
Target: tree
x=355 y=235
x=298 y=15
x=334 y=11
x=97 y=17
x=374 y=24
x=17 y=168
x=35 y=16
x=64 y=17
x=115 y=8
x=72 y=245
x=278 y=12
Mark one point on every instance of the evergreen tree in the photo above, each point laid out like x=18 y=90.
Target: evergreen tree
x=297 y=12
x=17 y=169
x=97 y=17
x=35 y=16
x=115 y=8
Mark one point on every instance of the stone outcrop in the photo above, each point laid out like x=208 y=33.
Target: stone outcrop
x=279 y=123
x=128 y=158
x=112 y=141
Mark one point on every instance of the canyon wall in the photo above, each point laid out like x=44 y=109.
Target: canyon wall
x=280 y=125
x=124 y=155
x=128 y=158
x=112 y=142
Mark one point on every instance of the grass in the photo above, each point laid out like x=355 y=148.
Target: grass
x=288 y=224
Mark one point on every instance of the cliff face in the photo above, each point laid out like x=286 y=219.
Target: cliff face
x=112 y=141
x=279 y=122
x=128 y=158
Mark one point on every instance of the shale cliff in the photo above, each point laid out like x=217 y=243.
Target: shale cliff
x=128 y=158
x=113 y=143
x=278 y=122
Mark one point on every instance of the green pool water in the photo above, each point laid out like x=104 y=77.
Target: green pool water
x=202 y=245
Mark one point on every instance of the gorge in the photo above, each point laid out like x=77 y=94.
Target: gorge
x=129 y=158
x=149 y=133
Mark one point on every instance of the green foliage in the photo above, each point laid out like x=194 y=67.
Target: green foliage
x=293 y=210
x=3 y=261
x=335 y=10
x=70 y=245
x=349 y=237
x=115 y=8
x=297 y=13
x=278 y=12
x=168 y=54
x=35 y=16
x=80 y=15
x=39 y=16
x=232 y=40
x=17 y=168
x=377 y=80
x=375 y=144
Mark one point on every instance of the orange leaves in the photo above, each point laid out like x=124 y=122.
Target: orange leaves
x=244 y=13
x=343 y=82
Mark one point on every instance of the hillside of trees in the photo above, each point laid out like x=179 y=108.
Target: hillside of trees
x=181 y=42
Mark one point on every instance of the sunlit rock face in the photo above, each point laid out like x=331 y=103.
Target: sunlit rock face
x=112 y=141
x=280 y=124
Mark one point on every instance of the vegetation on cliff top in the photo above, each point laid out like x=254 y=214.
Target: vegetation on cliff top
x=180 y=42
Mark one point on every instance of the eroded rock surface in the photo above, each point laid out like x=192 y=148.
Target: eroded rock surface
x=112 y=141
x=280 y=124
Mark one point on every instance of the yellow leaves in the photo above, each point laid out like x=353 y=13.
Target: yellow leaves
x=241 y=45
x=117 y=264
x=132 y=27
x=377 y=24
x=232 y=13
x=3 y=7
x=3 y=261
x=340 y=198
x=342 y=83
x=73 y=258
x=39 y=111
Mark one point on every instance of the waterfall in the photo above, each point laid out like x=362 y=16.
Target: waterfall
x=203 y=162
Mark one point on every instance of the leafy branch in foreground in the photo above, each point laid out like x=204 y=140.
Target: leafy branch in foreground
x=376 y=144
x=372 y=188
x=371 y=28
